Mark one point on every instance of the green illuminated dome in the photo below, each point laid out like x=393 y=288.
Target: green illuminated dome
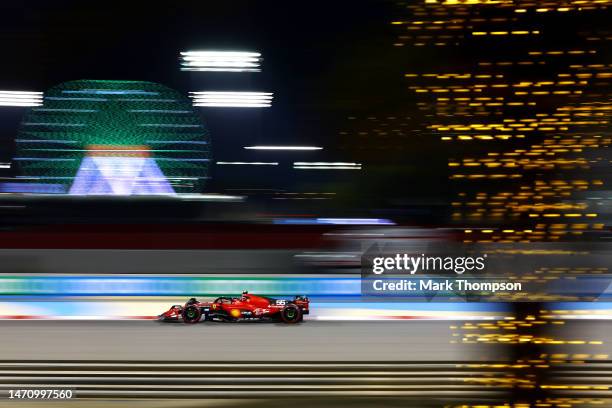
x=138 y=117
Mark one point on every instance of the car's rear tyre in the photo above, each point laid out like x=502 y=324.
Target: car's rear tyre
x=192 y=314
x=291 y=314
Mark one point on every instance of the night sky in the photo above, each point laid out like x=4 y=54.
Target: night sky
x=320 y=58
x=324 y=61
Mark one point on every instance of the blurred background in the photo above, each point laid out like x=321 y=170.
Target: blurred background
x=154 y=152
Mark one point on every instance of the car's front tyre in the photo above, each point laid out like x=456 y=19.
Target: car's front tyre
x=192 y=314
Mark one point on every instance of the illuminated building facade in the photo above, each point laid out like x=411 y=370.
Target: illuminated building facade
x=123 y=170
x=527 y=105
x=517 y=94
x=114 y=138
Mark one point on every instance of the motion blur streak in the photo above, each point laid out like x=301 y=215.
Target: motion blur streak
x=283 y=148
x=334 y=221
x=161 y=379
x=20 y=98
x=327 y=165
x=232 y=99
x=250 y=163
x=144 y=307
x=229 y=61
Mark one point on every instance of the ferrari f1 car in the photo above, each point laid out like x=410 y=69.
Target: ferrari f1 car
x=245 y=308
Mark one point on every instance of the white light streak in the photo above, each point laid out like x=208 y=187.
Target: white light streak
x=232 y=99
x=20 y=98
x=327 y=166
x=228 y=61
x=210 y=197
x=283 y=148
x=250 y=163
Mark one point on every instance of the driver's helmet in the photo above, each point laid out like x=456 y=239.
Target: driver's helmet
x=244 y=297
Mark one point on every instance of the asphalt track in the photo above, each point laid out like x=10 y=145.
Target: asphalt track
x=121 y=379
x=317 y=363
x=432 y=380
x=144 y=340
x=212 y=341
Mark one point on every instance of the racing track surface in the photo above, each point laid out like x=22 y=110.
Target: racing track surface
x=318 y=363
x=320 y=341
x=213 y=341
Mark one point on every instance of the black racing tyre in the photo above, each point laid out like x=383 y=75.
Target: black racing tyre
x=291 y=314
x=192 y=314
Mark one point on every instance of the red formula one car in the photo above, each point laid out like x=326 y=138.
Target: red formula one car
x=245 y=308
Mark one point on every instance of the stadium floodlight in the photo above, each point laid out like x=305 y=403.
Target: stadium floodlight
x=326 y=166
x=283 y=148
x=232 y=99
x=20 y=98
x=228 y=61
